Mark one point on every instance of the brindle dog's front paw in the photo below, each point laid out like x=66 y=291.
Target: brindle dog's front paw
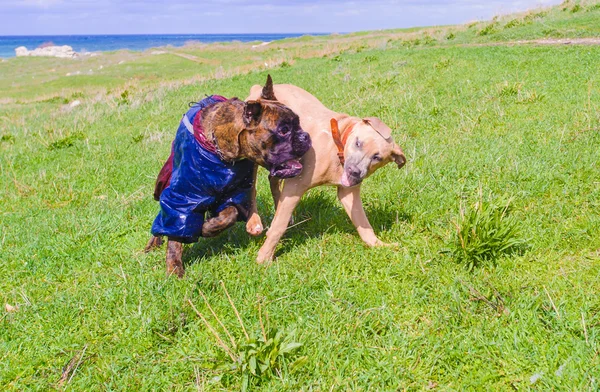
x=224 y=220
x=254 y=226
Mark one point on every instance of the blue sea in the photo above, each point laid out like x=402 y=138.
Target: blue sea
x=103 y=43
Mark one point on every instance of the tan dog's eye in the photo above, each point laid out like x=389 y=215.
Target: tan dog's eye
x=358 y=143
x=376 y=158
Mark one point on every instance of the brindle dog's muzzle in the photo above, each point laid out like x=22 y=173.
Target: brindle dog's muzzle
x=301 y=143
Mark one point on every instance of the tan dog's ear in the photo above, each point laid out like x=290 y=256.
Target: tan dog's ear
x=398 y=156
x=379 y=126
x=267 y=91
x=252 y=113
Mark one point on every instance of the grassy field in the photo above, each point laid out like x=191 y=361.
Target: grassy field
x=84 y=309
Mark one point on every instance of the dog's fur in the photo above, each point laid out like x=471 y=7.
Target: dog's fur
x=261 y=130
x=369 y=146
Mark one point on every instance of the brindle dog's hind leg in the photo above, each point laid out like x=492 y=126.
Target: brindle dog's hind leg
x=153 y=243
x=214 y=226
x=174 y=263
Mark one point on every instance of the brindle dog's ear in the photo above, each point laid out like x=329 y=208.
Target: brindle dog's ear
x=252 y=113
x=267 y=91
x=398 y=156
x=379 y=126
x=229 y=142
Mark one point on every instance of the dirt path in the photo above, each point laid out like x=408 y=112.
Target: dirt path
x=562 y=41
x=194 y=58
x=543 y=41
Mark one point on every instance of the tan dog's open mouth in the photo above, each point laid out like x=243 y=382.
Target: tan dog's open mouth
x=348 y=181
x=288 y=169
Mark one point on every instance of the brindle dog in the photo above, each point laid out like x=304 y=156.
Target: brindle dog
x=264 y=131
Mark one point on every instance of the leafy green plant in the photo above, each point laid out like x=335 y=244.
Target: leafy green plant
x=443 y=63
x=256 y=358
x=485 y=232
x=124 y=98
x=510 y=89
x=7 y=137
x=66 y=142
x=266 y=356
x=530 y=97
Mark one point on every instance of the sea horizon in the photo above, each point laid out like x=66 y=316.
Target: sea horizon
x=134 y=42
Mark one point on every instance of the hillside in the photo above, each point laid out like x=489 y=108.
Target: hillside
x=486 y=122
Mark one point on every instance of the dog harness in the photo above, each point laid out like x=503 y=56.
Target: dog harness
x=194 y=181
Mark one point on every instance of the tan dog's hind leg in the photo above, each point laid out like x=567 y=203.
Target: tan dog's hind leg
x=350 y=199
x=254 y=226
x=174 y=263
x=288 y=201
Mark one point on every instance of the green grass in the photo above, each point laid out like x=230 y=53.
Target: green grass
x=514 y=122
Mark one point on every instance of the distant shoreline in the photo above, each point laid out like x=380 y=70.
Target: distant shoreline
x=133 y=42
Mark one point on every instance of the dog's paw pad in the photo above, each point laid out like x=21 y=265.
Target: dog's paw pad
x=255 y=230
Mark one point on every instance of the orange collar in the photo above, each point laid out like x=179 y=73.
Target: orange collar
x=340 y=139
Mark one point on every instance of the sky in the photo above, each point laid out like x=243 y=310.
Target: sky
x=54 y=17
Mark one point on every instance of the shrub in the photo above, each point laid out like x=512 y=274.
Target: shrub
x=593 y=7
x=485 y=232
x=487 y=30
x=514 y=23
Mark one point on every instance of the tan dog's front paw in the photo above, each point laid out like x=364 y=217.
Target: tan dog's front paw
x=254 y=226
x=378 y=242
x=264 y=258
x=387 y=245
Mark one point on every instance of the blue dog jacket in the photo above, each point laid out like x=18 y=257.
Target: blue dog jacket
x=199 y=182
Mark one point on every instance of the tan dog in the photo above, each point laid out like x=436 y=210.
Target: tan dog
x=362 y=146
